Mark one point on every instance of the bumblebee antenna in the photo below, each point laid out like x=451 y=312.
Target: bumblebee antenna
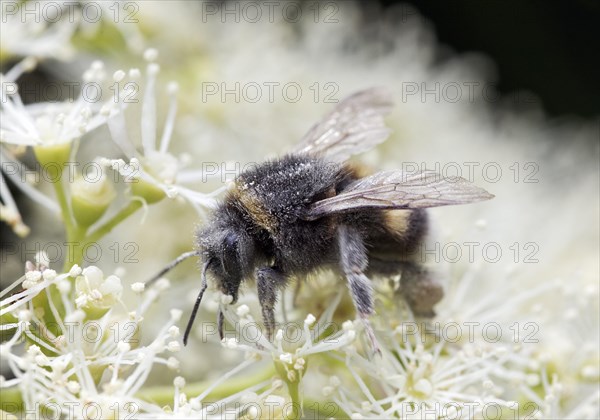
x=172 y=265
x=188 y=329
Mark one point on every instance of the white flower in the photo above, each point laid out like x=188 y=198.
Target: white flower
x=96 y=294
x=32 y=30
x=48 y=124
x=45 y=30
x=9 y=212
x=77 y=351
x=290 y=350
x=553 y=301
x=155 y=172
x=50 y=128
x=411 y=380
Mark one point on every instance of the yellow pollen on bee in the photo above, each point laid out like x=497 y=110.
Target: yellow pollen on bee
x=254 y=207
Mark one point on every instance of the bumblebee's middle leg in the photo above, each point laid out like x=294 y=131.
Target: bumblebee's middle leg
x=354 y=260
x=268 y=281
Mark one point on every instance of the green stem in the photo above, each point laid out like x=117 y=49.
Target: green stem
x=75 y=238
x=294 y=391
x=64 y=206
x=316 y=409
x=163 y=395
x=293 y=387
x=103 y=230
x=74 y=233
x=13 y=402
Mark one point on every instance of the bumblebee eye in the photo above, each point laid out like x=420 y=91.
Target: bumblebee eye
x=230 y=241
x=229 y=253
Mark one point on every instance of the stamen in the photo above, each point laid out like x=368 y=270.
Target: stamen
x=148 y=120
x=170 y=122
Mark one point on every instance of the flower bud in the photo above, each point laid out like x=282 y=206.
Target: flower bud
x=53 y=159
x=90 y=200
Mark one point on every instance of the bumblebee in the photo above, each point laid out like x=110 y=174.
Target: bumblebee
x=311 y=209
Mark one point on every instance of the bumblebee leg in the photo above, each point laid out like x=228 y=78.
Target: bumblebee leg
x=354 y=260
x=220 y=323
x=420 y=290
x=268 y=281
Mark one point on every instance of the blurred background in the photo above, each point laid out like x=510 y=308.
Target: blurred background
x=528 y=103
x=538 y=60
x=545 y=54
x=547 y=49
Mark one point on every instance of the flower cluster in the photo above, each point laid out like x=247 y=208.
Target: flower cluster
x=84 y=351
x=515 y=336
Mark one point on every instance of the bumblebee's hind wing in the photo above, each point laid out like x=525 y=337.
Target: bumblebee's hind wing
x=354 y=126
x=399 y=190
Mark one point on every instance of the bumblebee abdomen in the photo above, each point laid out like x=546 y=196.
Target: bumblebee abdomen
x=399 y=235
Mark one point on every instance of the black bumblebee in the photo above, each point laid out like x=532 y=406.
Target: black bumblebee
x=310 y=209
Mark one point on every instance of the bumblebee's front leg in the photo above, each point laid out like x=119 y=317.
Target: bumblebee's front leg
x=268 y=281
x=354 y=261
x=220 y=323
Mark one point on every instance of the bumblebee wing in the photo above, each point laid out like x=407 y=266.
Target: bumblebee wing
x=400 y=190
x=355 y=125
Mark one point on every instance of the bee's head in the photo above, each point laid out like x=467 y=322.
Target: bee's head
x=228 y=253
